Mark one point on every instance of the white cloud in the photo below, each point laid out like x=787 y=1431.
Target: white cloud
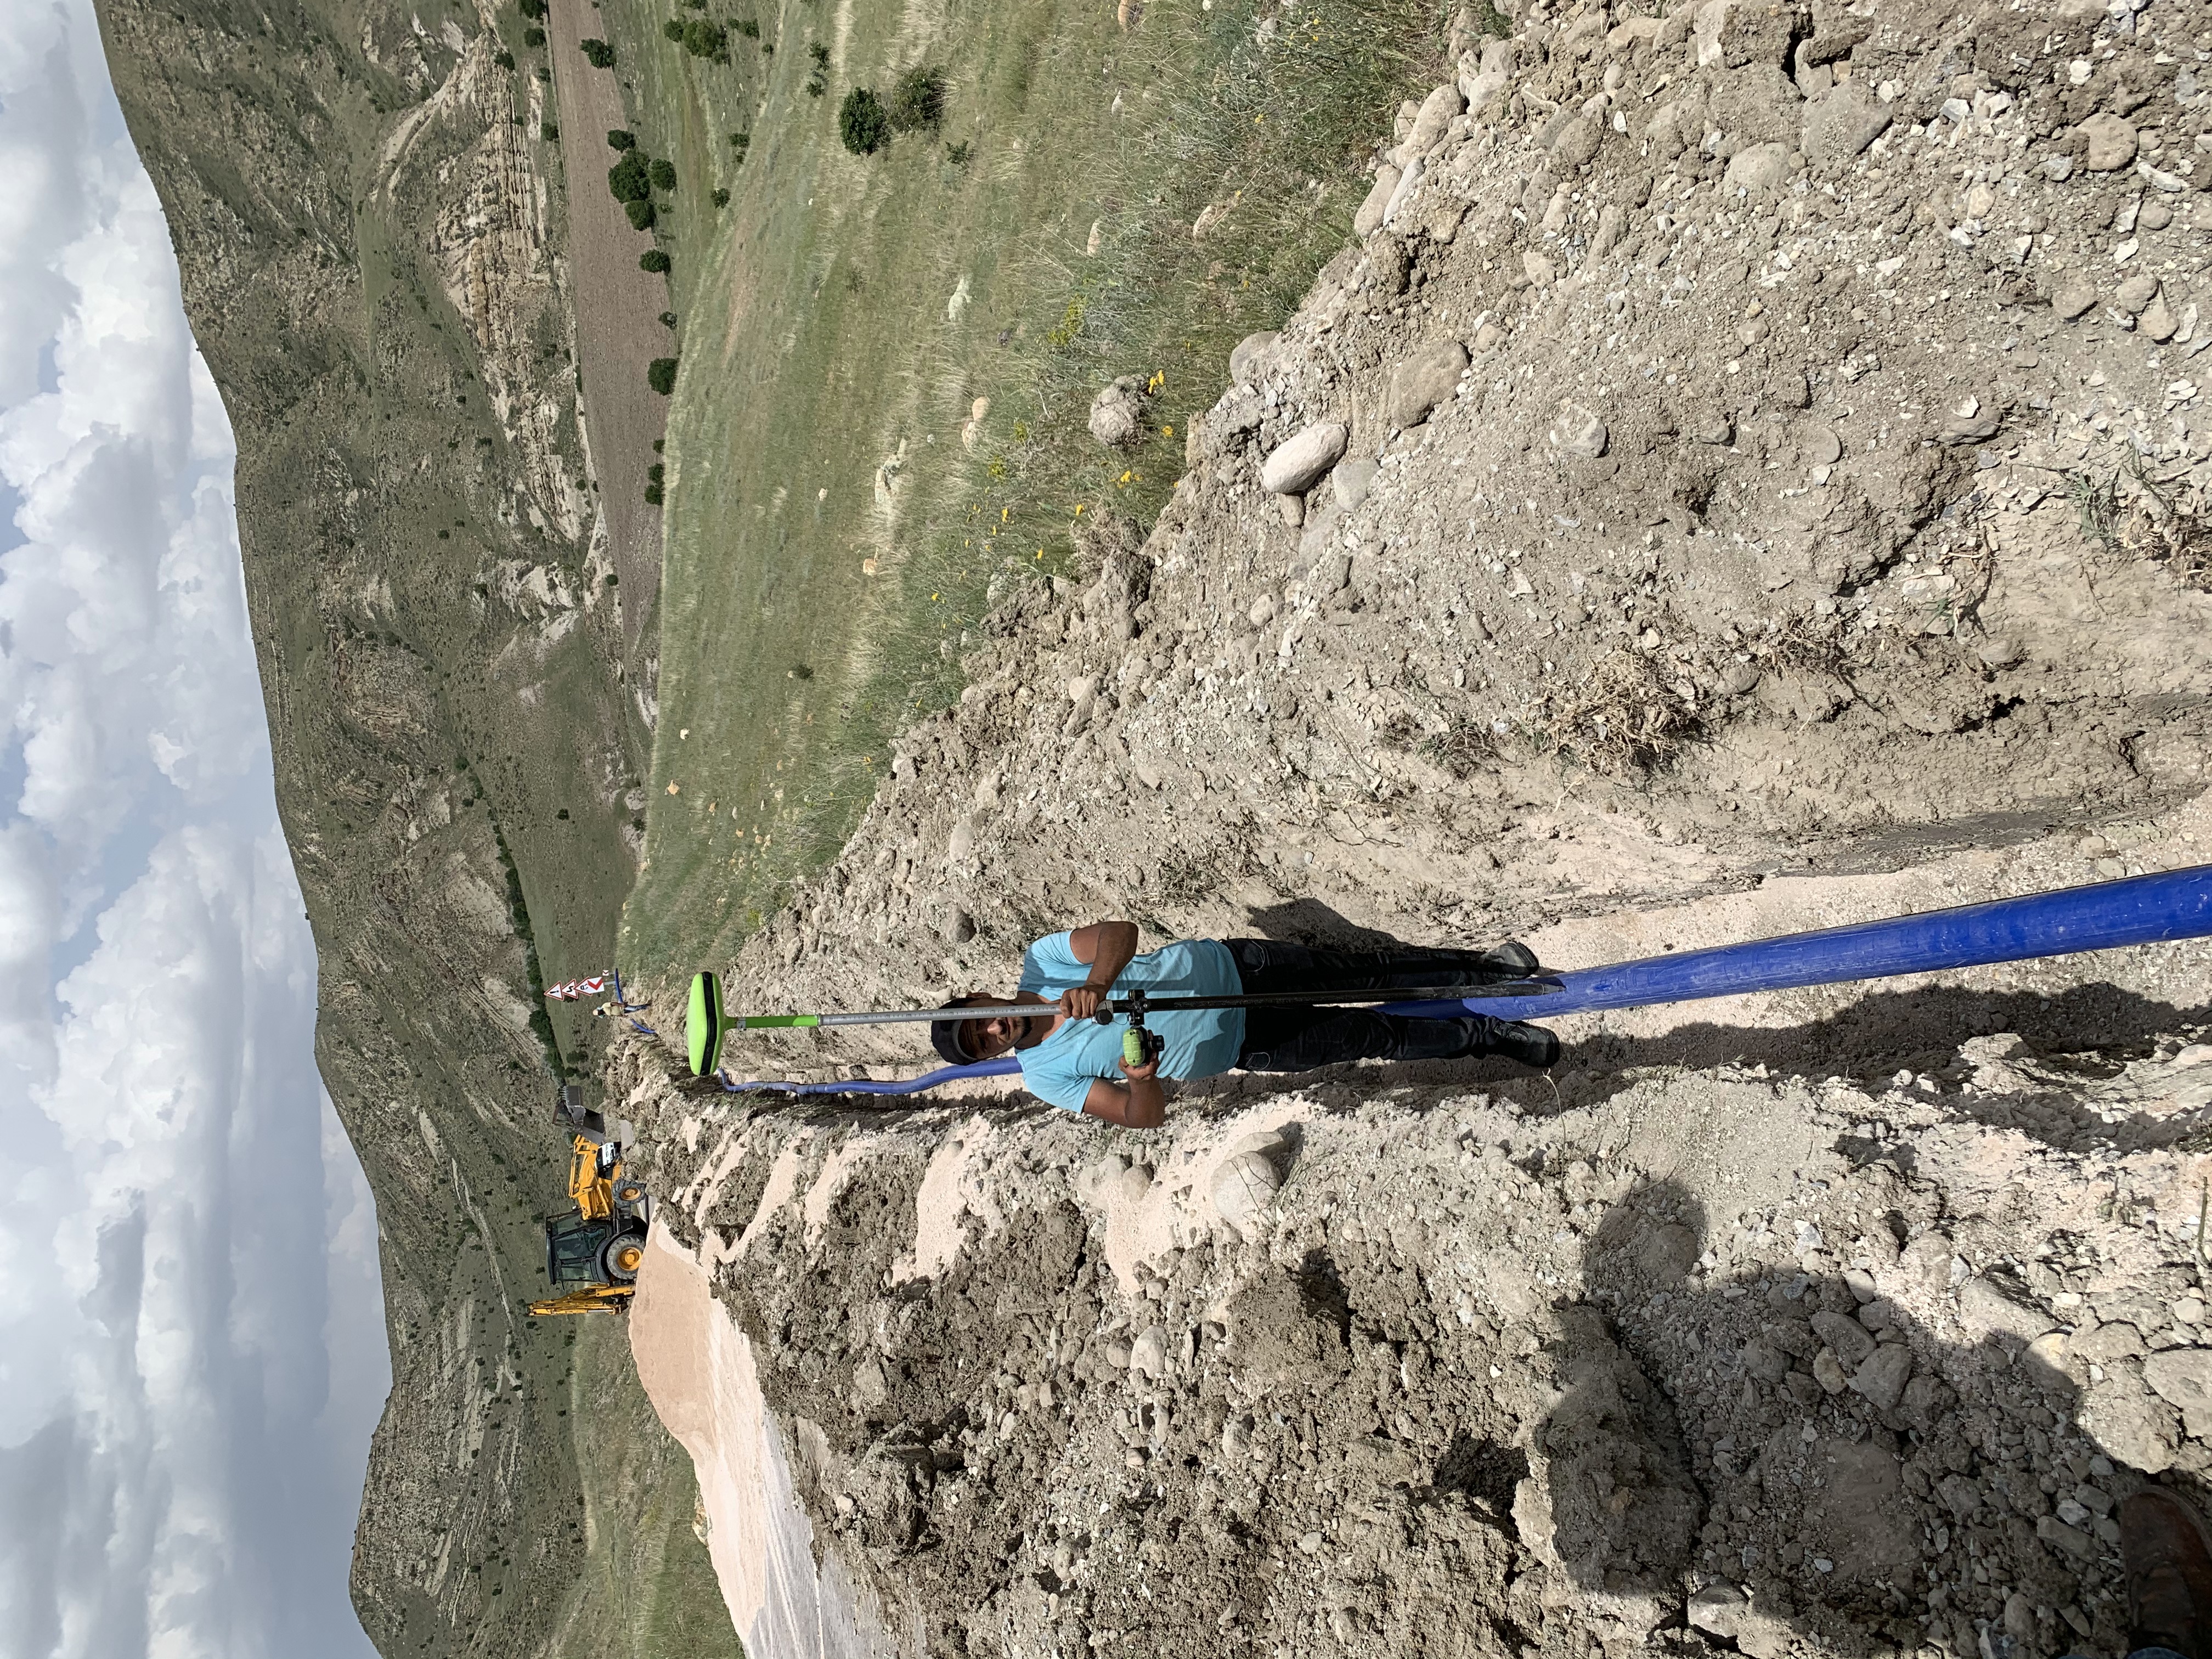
x=40 y=208
x=30 y=916
x=190 y=1335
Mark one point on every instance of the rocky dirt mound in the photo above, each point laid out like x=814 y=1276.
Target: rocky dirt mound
x=1747 y=463
x=1717 y=1356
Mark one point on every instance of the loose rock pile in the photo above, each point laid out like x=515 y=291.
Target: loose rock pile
x=1776 y=1361
x=1764 y=525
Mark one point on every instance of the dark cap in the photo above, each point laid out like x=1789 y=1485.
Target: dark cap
x=944 y=1036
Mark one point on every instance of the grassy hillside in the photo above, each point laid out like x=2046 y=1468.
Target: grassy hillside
x=1099 y=196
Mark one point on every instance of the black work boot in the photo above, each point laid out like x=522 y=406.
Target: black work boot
x=1513 y=956
x=2168 y=1557
x=1532 y=1045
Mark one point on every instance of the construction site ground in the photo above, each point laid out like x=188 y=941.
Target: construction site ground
x=1766 y=495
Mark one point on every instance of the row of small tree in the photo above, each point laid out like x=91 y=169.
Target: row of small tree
x=865 y=123
x=634 y=178
x=702 y=36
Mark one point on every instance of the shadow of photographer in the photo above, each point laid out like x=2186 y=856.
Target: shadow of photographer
x=1819 y=1454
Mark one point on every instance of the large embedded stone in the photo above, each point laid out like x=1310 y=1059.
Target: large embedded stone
x=1304 y=461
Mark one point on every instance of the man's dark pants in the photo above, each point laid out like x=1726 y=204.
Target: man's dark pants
x=1300 y=1039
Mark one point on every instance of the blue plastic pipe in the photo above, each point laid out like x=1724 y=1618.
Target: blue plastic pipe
x=2173 y=904
x=2139 y=910
x=1005 y=1065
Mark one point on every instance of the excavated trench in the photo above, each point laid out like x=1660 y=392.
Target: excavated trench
x=1731 y=518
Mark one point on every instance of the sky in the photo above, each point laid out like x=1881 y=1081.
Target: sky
x=192 y=1344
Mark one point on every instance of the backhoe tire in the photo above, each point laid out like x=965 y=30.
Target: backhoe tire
x=620 y=1256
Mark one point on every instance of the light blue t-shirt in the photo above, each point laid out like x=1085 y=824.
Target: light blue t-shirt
x=1061 y=1068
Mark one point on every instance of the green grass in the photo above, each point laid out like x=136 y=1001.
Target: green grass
x=819 y=337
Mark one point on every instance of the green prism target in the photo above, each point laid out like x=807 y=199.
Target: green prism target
x=704 y=1025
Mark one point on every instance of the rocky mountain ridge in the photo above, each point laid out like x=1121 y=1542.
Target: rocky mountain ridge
x=367 y=228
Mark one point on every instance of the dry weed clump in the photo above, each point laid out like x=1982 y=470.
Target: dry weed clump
x=2138 y=511
x=1625 y=717
x=1185 y=877
x=1468 y=745
x=2159 y=515
x=1801 y=644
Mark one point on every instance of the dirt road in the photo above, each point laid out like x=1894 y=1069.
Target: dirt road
x=618 y=307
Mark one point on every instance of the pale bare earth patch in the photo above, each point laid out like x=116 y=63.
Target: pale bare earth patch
x=697 y=1369
x=618 y=307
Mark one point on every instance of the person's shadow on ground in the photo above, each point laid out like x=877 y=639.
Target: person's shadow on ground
x=1920 y=1030
x=1308 y=922
x=1820 y=1463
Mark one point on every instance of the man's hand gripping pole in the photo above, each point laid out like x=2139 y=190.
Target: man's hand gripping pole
x=1140 y=1046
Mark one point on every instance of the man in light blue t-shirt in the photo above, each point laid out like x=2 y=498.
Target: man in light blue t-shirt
x=1071 y=1060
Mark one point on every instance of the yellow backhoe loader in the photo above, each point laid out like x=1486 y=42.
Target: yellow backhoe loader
x=592 y=1254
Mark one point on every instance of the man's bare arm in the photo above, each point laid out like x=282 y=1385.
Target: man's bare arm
x=1109 y=947
x=1140 y=1105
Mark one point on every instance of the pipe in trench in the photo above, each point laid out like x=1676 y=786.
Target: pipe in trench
x=2148 y=909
